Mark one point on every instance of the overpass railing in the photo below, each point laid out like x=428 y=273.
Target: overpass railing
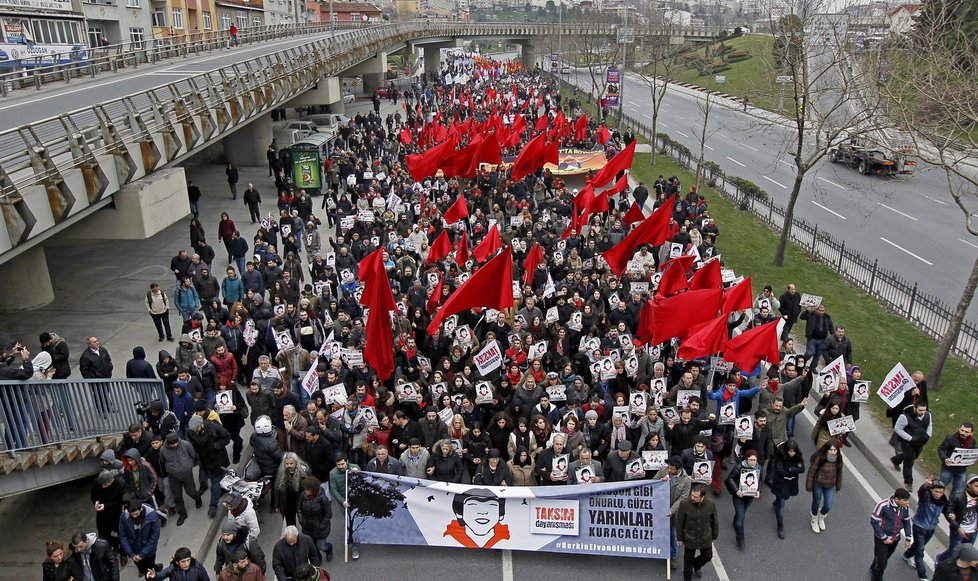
x=48 y=413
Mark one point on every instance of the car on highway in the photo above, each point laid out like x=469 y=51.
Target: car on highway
x=871 y=161
x=382 y=92
x=349 y=97
x=565 y=70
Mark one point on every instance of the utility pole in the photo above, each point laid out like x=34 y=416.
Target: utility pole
x=621 y=86
x=332 y=20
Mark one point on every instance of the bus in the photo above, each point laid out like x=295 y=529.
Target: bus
x=33 y=42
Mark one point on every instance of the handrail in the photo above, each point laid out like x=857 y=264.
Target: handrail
x=48 y=413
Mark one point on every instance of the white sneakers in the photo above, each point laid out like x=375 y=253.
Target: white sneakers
x=815 y=527
x=821 y=521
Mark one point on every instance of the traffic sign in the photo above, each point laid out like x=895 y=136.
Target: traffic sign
x=785 y=79
x=720 y=79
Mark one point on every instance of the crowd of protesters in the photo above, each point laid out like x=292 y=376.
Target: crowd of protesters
x=278 y=343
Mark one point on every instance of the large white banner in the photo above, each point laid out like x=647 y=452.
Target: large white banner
x=489 y=358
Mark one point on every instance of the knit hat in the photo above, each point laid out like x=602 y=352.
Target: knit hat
x=45 y=337
x=229 y=527
x=196 y=422
x=591 y=415
x=967 y=552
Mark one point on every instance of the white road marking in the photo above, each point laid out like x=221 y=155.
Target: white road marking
x=722 y=136
x=785 y=162
x=831 y=182
x=941 y=202
x=735 y=161
x=662 y=124
x=899 y=212
x=707 y=147
x=646 y=115
x=683 y=134
x=830 y=211
x=749 y=147
x=680 y=117
x=898 y=247
x=719 y=568
x=968 y=243
x=178 y=73
x=774 y=182
x=507 y=565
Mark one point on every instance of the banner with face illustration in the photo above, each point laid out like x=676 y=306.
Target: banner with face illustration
x=626 y=519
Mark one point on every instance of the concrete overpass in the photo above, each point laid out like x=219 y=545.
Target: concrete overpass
x=120 y=143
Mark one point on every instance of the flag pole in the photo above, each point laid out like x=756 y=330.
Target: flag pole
x=346 y=523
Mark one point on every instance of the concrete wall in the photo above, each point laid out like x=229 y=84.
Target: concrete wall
x=142 y=208
x=327 y=92
x=25 y=284
x=247 y=146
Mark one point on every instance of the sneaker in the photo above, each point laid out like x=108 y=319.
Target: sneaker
x=123 y=560
x=910 y=561
x=355 y=552
x=741 y=545
x=781 y=533
x=329 y=556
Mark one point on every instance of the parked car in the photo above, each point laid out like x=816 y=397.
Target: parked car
x=381 y=92
x=349 y=97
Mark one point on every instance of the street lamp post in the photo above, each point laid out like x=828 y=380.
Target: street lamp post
x=332 y=20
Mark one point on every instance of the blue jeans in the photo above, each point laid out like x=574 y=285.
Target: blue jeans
x=673 y=544
x=779 y=510
x=324 y=546
x=740 y=514
x=789 y=427
x=953 y=480
x=822 y=498
x=195 y=208
x=953 y=543
x=811 y=350
x=916 y=550
x=215 y=486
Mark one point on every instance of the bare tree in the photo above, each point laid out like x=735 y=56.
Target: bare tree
x=931 y=95
x=826 y=103
x=596 y=49
x=705 y=106
x=661 y=66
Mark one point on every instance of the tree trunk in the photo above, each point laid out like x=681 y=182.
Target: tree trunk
x=655 y=139
x=953 y=329
x=789 y=215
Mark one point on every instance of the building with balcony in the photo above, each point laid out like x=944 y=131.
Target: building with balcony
x=117 y=21
x=244 y=14
x=350 y=12
x=182 y=20
x=35 y=28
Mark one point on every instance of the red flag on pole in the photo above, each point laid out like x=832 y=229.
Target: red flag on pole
x=379 y=352
x=457 y=211
x=603 y=135
x=529 y=159
x=490 y=286
x=440 y=248
x=533 y=258
x=435 y=298
x=462 y=252
x=580 y=128
x=750 y=347
x=489 y=245
x=708 y=276
x=673 y=316
x=651 y=231
x=737 y=297
x=634 y=214
x=619 y=163
x=673 y=281
x=704 y=339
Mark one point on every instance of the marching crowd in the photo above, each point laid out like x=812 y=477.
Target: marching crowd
x=576 y=396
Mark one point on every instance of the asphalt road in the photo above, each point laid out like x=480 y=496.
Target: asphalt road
x=910 y=223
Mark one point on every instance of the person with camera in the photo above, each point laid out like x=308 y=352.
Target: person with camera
x=210 y=440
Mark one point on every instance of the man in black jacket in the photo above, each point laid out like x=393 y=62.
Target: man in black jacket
x=97 y=554
x=292 y=550
x=210 y=440
x=95 y=363
x=57 y=348
x=790 y=307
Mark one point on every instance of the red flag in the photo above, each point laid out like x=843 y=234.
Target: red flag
x=518 y=125
x=673 y=281
x=542 y=122
x=489 y=245
x=708 y=276
x=583 y=198
x=490 y=286
x=619 y=163
x=704 y=339
x=379 y=350
x=533 y=258
x=422 y=165
x=651 y=231
x=737 y=298
x=750 y=347
x=620 y=186
x=603 y=135
x=580 y=128
x=376 y=285
x=435 y=298
x=440 y=248
x=685 y=262
x=462 y=252
x=673 y=316
x=634 y=214
x=489 y=151
x=551 y=153
x=598 y=204
x=529 y=160
x=405 y=136
x=457 y=211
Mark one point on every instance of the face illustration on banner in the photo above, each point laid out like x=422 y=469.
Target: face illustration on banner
x=432 y=278
x=479 y=516
x=279 y=310
x=346 y=275
x=484 y=390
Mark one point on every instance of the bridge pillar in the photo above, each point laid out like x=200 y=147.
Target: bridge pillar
x=140 y=209
x=25 y=283
x=247 y=146
x=432 y=58
x=372 y=81
x=326 y=92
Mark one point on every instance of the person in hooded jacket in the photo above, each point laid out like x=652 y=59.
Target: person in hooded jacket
x=107 y=495
x=183 y=567
x=138 y=367
x=166 y=369
x=92 y=552
x=786 y=467
x=315 y=514
x=57 y=347
x=521 y=468
x=233 y=539
x=267 y=454
x=183 y=406
x=141 y=480
x=139 y=535
x=242 y=512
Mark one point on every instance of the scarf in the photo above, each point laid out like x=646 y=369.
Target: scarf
x=617 y=435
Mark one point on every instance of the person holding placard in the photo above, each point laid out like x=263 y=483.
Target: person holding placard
x=818 y=328
x=952 y=473
x=743 y=484
x=786 y=466
x=679 y=487
x=820 y=432
x=823 y=481
x=584 y=466
x=616 y=466
x=548 y=463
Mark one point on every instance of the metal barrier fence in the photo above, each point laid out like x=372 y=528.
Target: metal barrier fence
x=44 y=413
x=926 y=312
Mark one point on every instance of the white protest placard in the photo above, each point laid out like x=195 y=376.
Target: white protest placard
x=537 y=350
x=574 y=323
x=557 y=392
x=613 y=300
x=370 y=415
x=335 y=393
x=492 y=315
x=631 y=366
x=196 y=336
x=559 y=467
x=744 y=428
x=450 y=324
x=464 y=335
x=841 y=425
x=670 y=415
x=810 y=301
x=703 y=471
x=658 y=385
x=896 y=383
x=826 y=382
x=483 y=392
x=860 y=391
x=963 y=456
x=584 y=474
x=489 y=358
x=621 y=411
x=437 y=389
x=654 y=459
x=634 y=469
x=446 y=415
x=516 y=290
x=595 y=369
x=331 y=259
x=728 y=413
x=224 y=402
x=640 y=288
x=675 y=250
x=719 y=365
x=608 y=370
x=637 y=402
x=284 y=340
x=365 y=215
x=749 y=482
x=286 y=230
x=352 y=357
x=310 y=381
x=425 y=363
x=683 y=395
x=406 y=392
x=347 y=222
x=552 y=315
x=836 y=366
